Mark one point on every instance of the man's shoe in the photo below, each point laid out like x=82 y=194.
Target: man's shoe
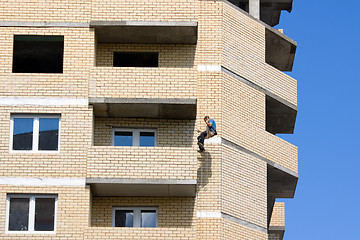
x=201 y=146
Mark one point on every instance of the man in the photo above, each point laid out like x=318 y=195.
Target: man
x=210 y=132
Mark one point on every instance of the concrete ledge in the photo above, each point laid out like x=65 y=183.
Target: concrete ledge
x=164 y=108
x=140 y=181
x=153 y=32
x=279 y=49
x=142 y=187
x=143 y=23
x=43 y=24
x=278 y=231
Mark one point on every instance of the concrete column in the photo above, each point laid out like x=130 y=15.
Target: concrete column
x=254 y=8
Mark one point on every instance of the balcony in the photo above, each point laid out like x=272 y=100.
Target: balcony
x=146 y=32
x=167 y=93
x=140 y=233
x=279 y=49
x=277 y=222
x=142 y=171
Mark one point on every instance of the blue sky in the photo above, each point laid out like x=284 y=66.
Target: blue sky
x=326 y=203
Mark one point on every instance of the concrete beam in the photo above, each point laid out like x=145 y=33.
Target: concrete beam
x=254 y=8
x=159 y=108
x=271 y=10
x=142 y=187
x=155 y=32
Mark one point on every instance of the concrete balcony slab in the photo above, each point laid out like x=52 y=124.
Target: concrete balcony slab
x=279 y=49
x=142 y=187
x=158 y=108
x=155 y=32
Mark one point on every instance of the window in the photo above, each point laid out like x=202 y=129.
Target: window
x=31 y=213
x=38 y=54
x=35 y=133
x=134 y=137
x=135 y=217
x=136 y=59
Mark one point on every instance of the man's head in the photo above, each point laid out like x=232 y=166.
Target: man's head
x=206 y=118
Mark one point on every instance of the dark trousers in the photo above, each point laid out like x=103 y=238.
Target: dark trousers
x=202 y=136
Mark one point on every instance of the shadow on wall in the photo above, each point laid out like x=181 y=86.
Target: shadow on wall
x=204 y=172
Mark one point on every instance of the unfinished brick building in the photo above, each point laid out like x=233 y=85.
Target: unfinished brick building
x=101 y=103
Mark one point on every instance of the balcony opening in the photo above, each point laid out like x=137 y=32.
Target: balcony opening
x=279 y=50
x=280 y=118
x=136 y=59
x=38 y=54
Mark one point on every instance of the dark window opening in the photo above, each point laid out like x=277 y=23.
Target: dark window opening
x=136 y=59
x=38 y=54
x=124 y=218
x=44 y=214
x=243 y=4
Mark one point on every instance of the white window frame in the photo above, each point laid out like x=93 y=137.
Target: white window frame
x=137 y=214
x=135 y=133
x=35 y=143
x=31 y=219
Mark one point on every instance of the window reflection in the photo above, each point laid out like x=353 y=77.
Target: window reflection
x=123 y=139
x=147 y=139
x=19 y=214
x=23 y=134
x=148 y=218
x=48 y=133
x=124 y=218
x=44 y=214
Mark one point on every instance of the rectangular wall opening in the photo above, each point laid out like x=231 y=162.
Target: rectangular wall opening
x=38 y=54
x=136 y=59
x=243 y=4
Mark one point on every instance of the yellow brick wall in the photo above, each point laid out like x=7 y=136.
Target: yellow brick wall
x=75 y=138
x=243 y=124
x=209 y=229
x=99 y=233
x=144 y=10
x=208 y=196
x=170 y=133
x=244 y=54
x=72 y=211
x=170 y=55
x=174 y=212
x=143 y=82
x=72 y=83
x=209 y=48
x=244 y=186
x=142 y=162
x=237 y=231
x=45 y=10
x=278 y=214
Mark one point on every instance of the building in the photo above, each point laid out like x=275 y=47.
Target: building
x=100 y=105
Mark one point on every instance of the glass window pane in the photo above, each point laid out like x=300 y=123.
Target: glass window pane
x=147 y=139
x=124 y=218
x=123 y=139
x=23 y=134
x=19 y=214
x=48 y=133
x=44 y=214
x=148 y=218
